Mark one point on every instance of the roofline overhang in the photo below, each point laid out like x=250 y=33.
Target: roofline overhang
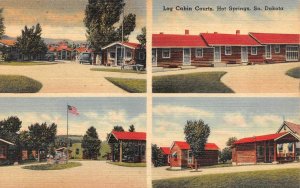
x=112 y=44
x=162 y=47
x=7 y=142
x=287 y=134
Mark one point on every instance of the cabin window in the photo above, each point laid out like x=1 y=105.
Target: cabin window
x=260 y=151
x=277 y=49
x=174 y=154
x=141 y=55
x=128 y=55
x=253 y=50
x=2 y=150
x=228 y=50
x=190 y=156
x=290 y=147
x=77 y=151
x=112 y=54
x=280 y=147
x=166 y=53
x=199 y=52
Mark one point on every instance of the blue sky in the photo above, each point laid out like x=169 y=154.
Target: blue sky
x=59 y=18
x=240 y=117
x=286 y=21
x=102 y=113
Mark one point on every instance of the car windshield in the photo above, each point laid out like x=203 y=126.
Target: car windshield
x=85 y=55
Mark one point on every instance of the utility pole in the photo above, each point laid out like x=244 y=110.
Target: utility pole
x=67 y=133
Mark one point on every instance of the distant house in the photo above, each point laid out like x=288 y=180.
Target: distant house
x=174 y=50
x=61 y=51
x=264 y=149
x=181 y=155
x=234 y=48
x=11 y=50
x=112 y=54
x=294 y=128
x=135 y=140
x=166 y=151
x=4 y=144
x=279 y=47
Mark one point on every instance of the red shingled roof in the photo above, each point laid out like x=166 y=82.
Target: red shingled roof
x=132 y=44
x=185 y=145
x=275 y=38
x=166 y=150
x=218 y=39
x=83 y=49
x=129 y=135
x=8 y=42
x=259 y=138
x=173 y=40
x=293 y=126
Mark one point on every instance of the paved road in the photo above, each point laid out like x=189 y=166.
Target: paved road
x=253 y=79
x=92 y=174
x=162 y=173
x=70 y=78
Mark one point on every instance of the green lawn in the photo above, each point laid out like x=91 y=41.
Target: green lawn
x=18 y=84
x=202 y=82
x=53 y=166
x=117 y=70
x=129 y=84
x=26 y=63
x=294 y=72
x=129 y=164
x=267 y=178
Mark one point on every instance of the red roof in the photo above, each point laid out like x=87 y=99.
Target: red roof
x=275 y=38
x=129 y=135
x=83 y=49
x=166 y=150
x=259 y=138
x=8 y=42
x=173 y=40
x=185 y=145
x=131 y=44
x=293 y=126
x=218 y=39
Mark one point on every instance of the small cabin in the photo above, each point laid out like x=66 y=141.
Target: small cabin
x=4 y=144
x=166 y=155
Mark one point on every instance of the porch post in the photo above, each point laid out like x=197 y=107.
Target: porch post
x=275 y=153
x=265 y=151
x=121 y=151
x=113 y=152
x=255 y=152
x=294 y=151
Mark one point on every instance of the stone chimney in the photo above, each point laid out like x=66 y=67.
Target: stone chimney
x=161 y=33
x=215 y=32
x=237 y=32
x=187 y=32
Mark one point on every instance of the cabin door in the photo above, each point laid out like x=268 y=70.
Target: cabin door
x=292 y=53
x=186 y=56
x=120 y=53
x=217 y=54
x=244 y=54
x=268 y=52
x=154 y=57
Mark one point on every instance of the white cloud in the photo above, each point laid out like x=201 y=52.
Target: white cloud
x=173 y=110
x=235 y=119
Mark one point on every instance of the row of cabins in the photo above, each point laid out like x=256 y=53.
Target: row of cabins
x=283 y=146
x=216 y=49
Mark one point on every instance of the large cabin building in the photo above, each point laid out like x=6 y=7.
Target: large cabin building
x=181 y=155
x=278 y=48
x=264 y=149
x=9 y=50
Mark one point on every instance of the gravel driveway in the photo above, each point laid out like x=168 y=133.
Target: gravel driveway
x=70 y=77
x=91 y=174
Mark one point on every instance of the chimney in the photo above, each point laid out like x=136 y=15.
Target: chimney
x=161 y=33
x=215 y=32
x=237 y=32
x=187 y=32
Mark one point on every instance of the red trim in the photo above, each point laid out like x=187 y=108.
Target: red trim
x=130 y=135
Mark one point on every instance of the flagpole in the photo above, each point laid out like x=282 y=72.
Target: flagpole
x=123 y=35
x=67 y=133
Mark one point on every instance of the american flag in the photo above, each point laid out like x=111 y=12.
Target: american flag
x=73 y=110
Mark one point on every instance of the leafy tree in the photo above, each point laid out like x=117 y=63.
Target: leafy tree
x=9 y=128
x=131 y=128
x=102 y=20
x=196 y=134
x=225 y=155
x=30 y=43
x=42 y=137
x=118 y=128
x=2 y=27
x=91 y=144
x=157 y=156
x=142 y=37
x=231 y=141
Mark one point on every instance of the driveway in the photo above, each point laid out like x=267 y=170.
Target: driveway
x=90 y=174
x=253 y=79
x=162 y=173
x=70 y=77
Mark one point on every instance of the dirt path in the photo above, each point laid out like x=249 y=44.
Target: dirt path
x=90 y=174
x=162 y=173
x=253 y=79
x=70 y=78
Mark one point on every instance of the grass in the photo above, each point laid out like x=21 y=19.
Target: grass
x=128 y=164
x=294 y=72
x=18 y=84
x=118 y=70
x=25 y=63
x=203 y=82
x=52 y=166
x=128 y=84
x=267 y=178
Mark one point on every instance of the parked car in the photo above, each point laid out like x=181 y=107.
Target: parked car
x=85 y=57
x=50 y=57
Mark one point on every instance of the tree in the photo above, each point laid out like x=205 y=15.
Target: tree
x=196 y=134
x=91 y=144
x=131 y=128
x=2 y=27
x=30 y=43
x=118 y=128
x=225 y=155
x=157 y=156
x=102 y=20
x=42 y=137
x=231 y=141
x=9 y=128
x=142 y=37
